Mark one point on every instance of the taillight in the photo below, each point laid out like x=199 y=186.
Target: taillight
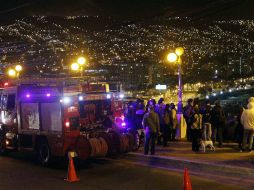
x=67 y=124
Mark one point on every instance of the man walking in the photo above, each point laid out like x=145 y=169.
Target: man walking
x=151 y=126
x=247 y=120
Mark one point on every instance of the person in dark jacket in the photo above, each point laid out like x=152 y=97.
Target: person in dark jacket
x=160 y=109
x=188 y=115
x=151 y=126
x=167 y=126
x=239 y=130
x=218 y=121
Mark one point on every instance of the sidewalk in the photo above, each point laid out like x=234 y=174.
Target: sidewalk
x=226 y=165
x=228 y=155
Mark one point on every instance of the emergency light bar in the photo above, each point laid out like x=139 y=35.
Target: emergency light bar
x=41 y=92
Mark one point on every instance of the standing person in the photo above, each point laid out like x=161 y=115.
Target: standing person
x=207 y=127
x=160 y=109
x=247 y=120
x=130 y=115
x=188 y=115
x=151 y=126
x=218 y=121
x=173 y=120
x=239 y=130
x=196 y=129
x=167 y=127
x=140 y=112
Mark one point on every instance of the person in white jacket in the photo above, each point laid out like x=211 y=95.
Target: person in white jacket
x=247 y=120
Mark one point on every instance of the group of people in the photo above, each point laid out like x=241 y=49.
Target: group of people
x=158 y=120
x=202 y=122
x=205 y=122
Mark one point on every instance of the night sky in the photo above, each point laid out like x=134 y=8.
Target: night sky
x=211 y=9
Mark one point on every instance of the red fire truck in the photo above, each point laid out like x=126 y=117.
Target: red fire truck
x=55 y=116
x=42 y=116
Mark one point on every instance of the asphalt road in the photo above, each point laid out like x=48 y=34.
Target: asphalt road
x=19 y=171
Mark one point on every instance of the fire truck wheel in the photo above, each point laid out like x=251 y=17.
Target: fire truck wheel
x=44 y=154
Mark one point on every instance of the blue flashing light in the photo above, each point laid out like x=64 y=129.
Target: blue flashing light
x=28 y=95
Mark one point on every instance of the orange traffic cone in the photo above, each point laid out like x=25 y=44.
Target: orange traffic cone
x=186 y=180
x=71 y=176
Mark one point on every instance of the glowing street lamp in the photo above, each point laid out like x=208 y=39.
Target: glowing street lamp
x=79 y=65
x=12 y=73
x=179 y=51
x=172 y=57
x=75 y=66
x=18 y=69
x=81 y=60
x=176 y=58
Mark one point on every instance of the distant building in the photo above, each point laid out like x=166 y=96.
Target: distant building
x=239 y=65
x=131 y=76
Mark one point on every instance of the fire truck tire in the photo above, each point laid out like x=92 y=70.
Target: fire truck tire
x=43 y=153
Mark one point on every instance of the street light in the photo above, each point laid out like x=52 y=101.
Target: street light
x=74 y=66
x=12 y=73
x=18 y=69
x=176 y=57
x=15 y=72
x=81 y=60
x=79 y=66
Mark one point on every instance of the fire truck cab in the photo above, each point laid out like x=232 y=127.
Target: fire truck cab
x=41 y=116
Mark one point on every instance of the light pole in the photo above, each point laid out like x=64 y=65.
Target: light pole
x=79 y=66
x=176 y=57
